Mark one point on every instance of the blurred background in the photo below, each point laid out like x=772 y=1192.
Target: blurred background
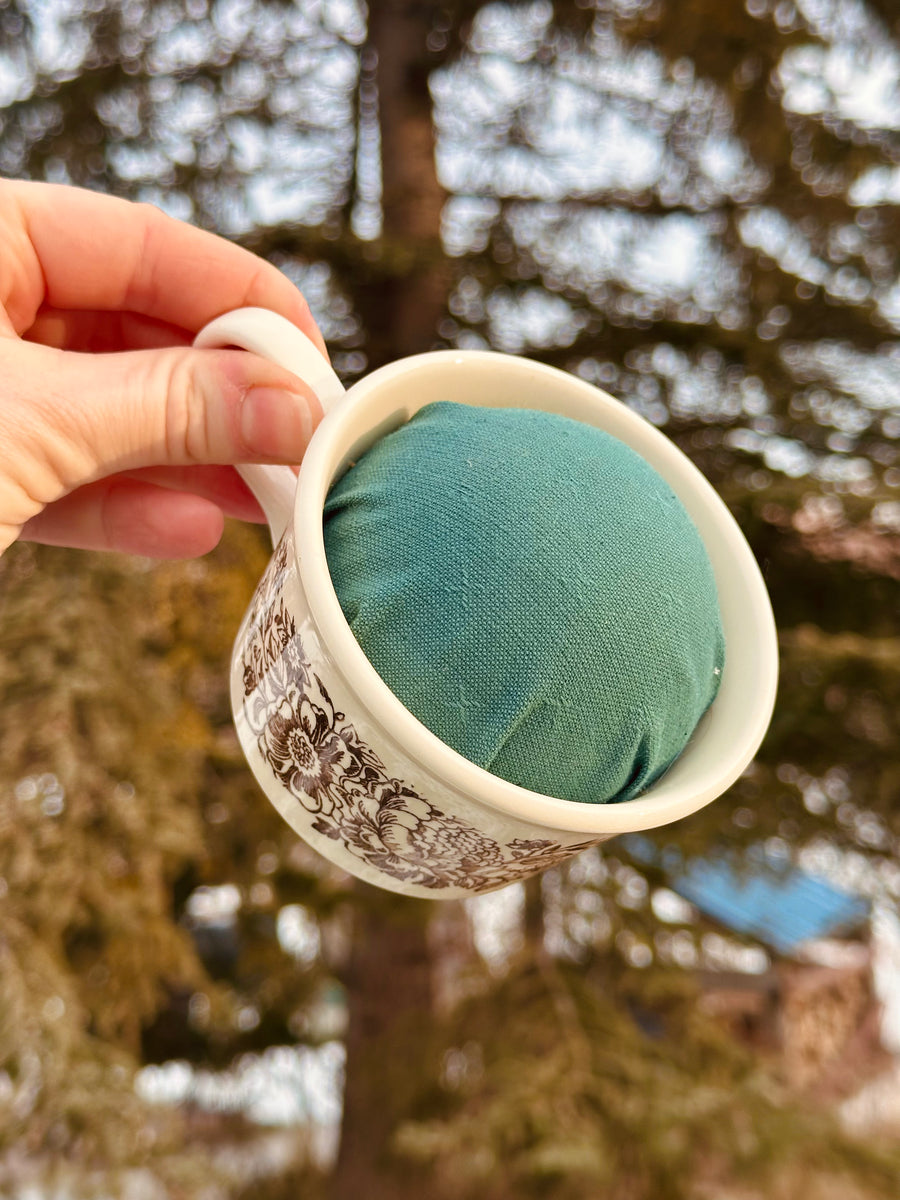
x=694 y=204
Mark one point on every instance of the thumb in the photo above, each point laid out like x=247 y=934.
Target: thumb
x=75 y=418
x=181 y=406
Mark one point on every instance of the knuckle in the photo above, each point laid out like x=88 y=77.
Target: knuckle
x=259 y=282
x=186 y=427
x=153 y=220
x=153 y=223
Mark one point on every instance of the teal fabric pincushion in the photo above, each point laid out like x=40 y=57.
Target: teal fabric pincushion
x=534 y=592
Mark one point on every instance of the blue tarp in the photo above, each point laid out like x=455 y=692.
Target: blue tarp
x=775 y=902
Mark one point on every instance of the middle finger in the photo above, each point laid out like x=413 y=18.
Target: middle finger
x=100 y=332
x=222 y=485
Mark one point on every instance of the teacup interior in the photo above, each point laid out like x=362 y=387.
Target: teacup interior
x=730 y=732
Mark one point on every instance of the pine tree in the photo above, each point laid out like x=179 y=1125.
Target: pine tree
x=677 y=202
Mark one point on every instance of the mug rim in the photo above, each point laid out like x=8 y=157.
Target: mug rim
x=666 y=800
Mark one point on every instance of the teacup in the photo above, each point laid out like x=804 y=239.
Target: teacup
x=350 y=769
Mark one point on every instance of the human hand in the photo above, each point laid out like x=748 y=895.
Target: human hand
x=115 y=434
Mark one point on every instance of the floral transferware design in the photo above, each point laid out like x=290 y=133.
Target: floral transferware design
x=323 y=762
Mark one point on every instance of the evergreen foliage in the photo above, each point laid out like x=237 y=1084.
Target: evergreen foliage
x=693 y=205
x=579 y=1094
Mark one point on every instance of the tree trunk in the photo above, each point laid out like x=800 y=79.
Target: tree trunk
x=403 y=305
x=389 y=988
x=390 y=992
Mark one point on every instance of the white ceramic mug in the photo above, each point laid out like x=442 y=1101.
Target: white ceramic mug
x=344 y=762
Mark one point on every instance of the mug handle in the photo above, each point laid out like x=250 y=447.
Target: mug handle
x=274 y=337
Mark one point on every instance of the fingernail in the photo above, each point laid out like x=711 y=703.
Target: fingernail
x=275 y=423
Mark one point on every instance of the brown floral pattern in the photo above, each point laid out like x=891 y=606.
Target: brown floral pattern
x=340 y=781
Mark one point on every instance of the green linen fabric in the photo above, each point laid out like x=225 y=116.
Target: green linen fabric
x=534 y=592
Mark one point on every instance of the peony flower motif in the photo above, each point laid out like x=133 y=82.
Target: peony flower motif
x=414 y=827
x=407 y=837
x=308 y=756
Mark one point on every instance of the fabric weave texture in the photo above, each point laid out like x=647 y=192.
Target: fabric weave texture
x=534 y=592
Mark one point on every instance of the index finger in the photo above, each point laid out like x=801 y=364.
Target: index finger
x=93 y=251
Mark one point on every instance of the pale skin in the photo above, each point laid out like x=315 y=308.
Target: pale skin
x=114 y=433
